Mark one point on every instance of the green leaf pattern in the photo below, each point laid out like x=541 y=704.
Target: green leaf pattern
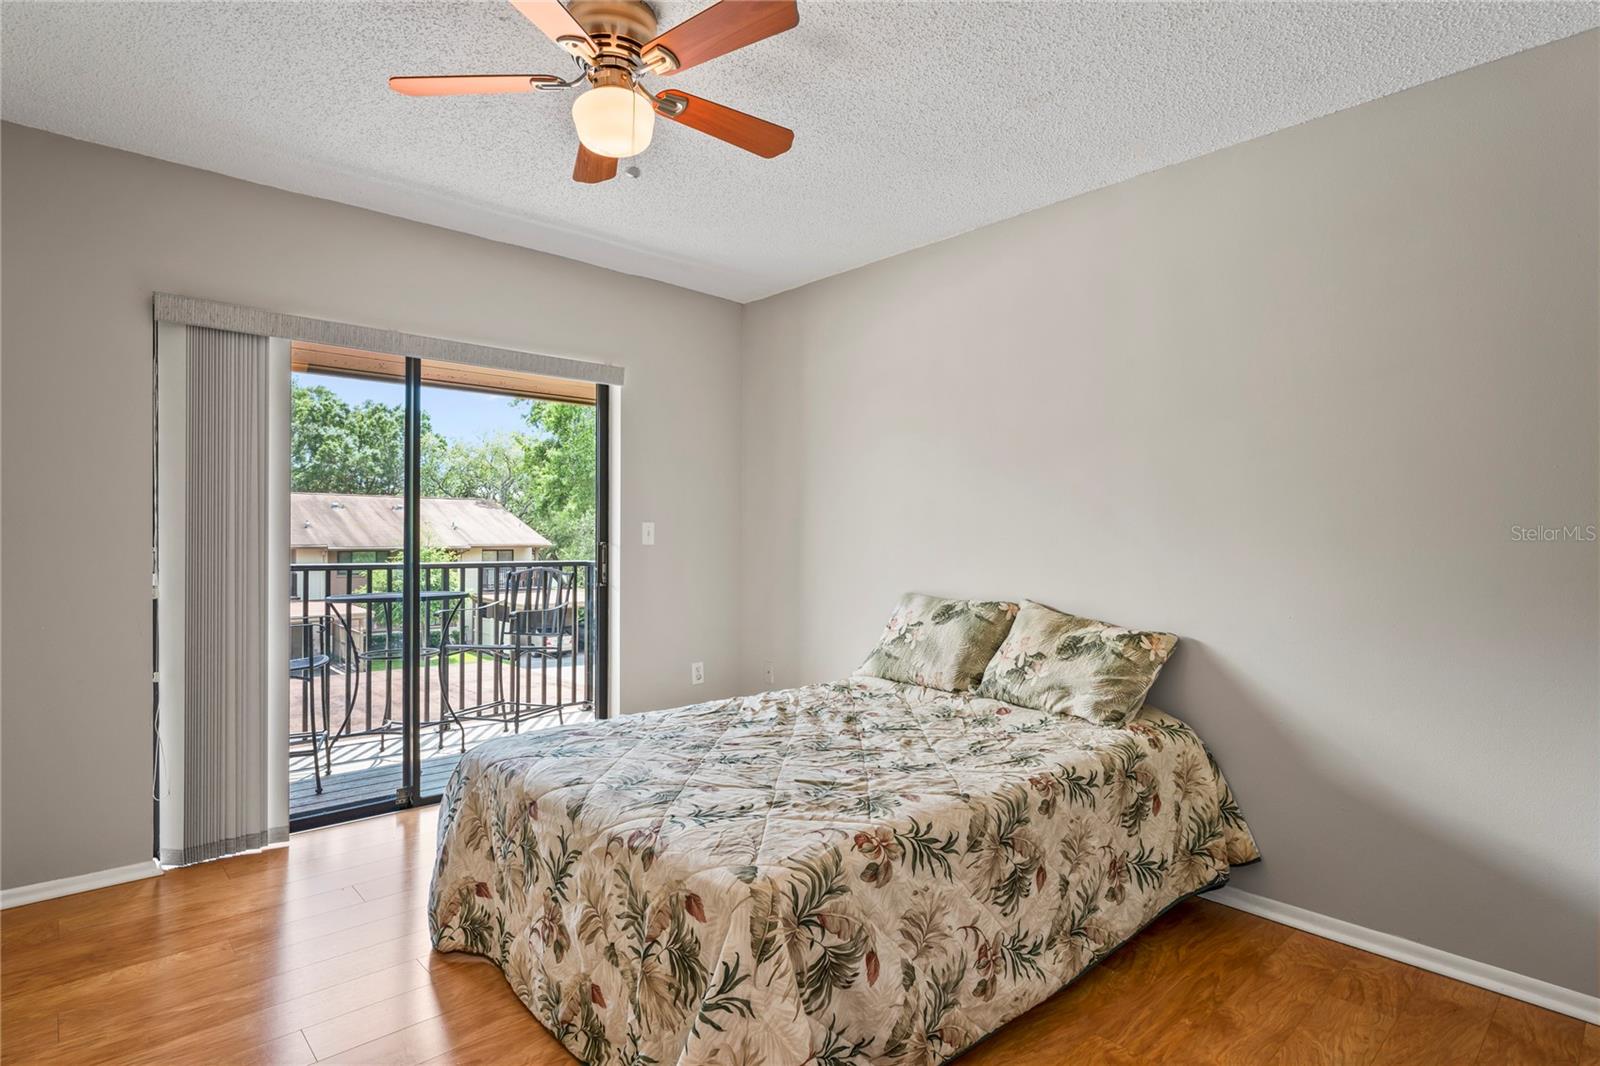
x=939 y=643
x=1069 y=665
x=861 y=872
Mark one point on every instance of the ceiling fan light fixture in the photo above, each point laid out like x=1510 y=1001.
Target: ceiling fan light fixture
x=616 y=42
x=614 y=120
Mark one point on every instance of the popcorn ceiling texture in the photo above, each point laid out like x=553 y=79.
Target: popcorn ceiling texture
x=914 y=121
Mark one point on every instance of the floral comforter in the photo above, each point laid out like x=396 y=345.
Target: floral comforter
x=860 y=872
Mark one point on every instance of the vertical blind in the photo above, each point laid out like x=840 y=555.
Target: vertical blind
x=225 y=780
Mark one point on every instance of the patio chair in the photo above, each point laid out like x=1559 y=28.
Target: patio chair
x=531 y=622
x=309 y=664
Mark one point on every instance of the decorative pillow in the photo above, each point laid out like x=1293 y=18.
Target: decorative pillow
x=1070 y=665
x=939 y=643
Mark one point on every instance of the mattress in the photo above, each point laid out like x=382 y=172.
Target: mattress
x=855 y=872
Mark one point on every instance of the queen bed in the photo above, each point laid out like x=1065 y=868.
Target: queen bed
x=866 y=871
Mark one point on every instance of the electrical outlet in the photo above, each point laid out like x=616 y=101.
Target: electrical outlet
x=697 y=673
x=649 y=533
x=767 y=671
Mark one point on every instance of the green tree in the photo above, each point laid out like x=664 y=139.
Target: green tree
x=544 y=475
x=561 y=470
x=334 y=447
x=494 y=468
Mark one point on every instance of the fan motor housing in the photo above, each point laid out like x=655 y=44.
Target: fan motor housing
x=625 y=22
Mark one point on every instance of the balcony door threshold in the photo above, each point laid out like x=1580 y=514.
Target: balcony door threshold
x=338 y=815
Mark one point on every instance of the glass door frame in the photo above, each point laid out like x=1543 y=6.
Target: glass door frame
x=598 y=611
x=410 y=791
x=597 y=647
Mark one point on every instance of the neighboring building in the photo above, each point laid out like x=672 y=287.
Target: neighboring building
x=337 y=527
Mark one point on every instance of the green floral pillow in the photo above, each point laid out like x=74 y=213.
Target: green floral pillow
x=1070 y=665
x=939 y=643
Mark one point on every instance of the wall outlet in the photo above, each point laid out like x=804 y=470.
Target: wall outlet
x=649 y=533
x=766 y=671
x=697 y=673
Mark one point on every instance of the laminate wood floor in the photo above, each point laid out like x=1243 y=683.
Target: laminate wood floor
x=319 y=953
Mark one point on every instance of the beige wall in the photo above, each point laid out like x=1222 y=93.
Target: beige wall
x=1288 y=401
x=88 y=234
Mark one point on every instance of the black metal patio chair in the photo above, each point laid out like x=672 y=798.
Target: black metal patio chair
x=309 y=664
x=532 y=622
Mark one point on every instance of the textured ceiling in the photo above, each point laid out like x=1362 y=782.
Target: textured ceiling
x=914 y=121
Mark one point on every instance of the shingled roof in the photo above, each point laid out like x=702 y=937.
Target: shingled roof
x=339 y=521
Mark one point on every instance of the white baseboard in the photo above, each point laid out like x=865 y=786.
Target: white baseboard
x=1528 y=989
x=67 y=886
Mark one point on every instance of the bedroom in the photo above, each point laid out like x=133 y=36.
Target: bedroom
x=1275 y=328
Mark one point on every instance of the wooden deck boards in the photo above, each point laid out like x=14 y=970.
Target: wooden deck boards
x=347 y=787
x=363 y=771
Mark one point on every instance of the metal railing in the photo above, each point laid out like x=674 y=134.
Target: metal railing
x=359 y=604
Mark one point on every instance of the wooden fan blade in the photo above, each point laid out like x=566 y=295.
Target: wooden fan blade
x=465 y=84
x=724 y=27
x=593 y=168
x=766 y=139
x=557 y=23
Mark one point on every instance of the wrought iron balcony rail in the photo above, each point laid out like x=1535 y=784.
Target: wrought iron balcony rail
x=471 y=668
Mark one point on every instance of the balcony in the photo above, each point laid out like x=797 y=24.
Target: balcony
x=507 y=648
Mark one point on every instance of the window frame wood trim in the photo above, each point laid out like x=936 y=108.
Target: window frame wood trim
x=306 y=356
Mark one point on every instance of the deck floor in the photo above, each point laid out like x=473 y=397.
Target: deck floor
x=366 y=765
x=377 y=693
x=365 y=770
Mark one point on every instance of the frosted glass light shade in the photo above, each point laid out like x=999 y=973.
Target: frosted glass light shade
x=614 y=121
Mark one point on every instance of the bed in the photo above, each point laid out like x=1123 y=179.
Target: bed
x=858 y=872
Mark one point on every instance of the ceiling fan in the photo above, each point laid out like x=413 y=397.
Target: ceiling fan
x=615 y=44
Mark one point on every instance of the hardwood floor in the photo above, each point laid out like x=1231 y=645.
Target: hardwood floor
x=319 y=953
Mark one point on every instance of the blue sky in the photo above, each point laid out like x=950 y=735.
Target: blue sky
x=454 y=413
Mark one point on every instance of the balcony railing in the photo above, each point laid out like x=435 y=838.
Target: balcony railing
x=472 y=670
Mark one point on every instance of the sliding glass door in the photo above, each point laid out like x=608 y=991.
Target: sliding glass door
x=346 y=622
x=447 y=577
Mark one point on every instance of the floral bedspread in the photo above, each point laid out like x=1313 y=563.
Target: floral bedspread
x=860 y=872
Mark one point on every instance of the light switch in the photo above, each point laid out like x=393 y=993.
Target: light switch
x=649 y=532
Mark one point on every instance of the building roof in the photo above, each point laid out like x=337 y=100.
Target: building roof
x=340 y=521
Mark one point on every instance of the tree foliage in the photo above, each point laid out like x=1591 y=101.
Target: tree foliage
x=337 y=447
x=544 y=475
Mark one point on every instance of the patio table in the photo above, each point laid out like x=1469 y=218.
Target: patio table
x=358 y=658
